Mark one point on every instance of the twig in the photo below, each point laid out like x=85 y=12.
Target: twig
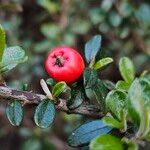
x=31 y=98
x=64 y=14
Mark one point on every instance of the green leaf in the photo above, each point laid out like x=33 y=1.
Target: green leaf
x=127 y=69
x=110 y=121
x=100 y=92
x=122 y=85
x=66 y=94
x=50 y=82
x=49 y=5
x=12 y=57
x=77 y=98
x=131 y=144
x=106 y=142
x=59 y=88
x=106 y=5
x=109 y=84
x=114 y=19
x=25 y=87
x=90 y=77
x=82 y=29
x=14 y=112
x=50 y=30
x=86 y=132
x=139 y=98
x=96 y=15
x=145 y=87
x=92 y=47
x=140 y=102
x=126 y=8
x=94 y=87
x=143 y=13
x=44 y=114
x=116 y=102
x=31 y=144
x=2 y=41
x=147 y=77
x=103 y=62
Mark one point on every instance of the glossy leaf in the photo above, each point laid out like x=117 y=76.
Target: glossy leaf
x=66 y=94
x=50 y=82
x=59 y=88
x=106 y=142
x=12 y=56
x=103 y=62
x=14 y=112
x=77 y=98
x=92 y=47
x=112 y=122
x=122 y=85
x=2 y=41
x=94 y=87
x=90 y=77
x=116 y=102
x=139 y=101
x=44 y=114
x=86 y=132
x=135 y=97
x=127 y=69
x=145 y=91
x=109 y=84
x=100 y=92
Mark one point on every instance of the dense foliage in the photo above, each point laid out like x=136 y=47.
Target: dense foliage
x=120 y=90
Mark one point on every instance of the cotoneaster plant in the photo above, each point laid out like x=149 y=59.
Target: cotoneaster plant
x=123 y=108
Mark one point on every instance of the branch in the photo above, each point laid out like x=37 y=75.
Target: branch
x=31 y=98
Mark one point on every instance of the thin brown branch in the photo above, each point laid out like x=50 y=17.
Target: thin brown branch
x=64 y=14
x=31 y=98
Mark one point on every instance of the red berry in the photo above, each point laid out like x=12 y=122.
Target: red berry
x=64 y=64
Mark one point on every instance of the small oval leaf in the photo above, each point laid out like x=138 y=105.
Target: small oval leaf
x=103 y=62
x=14 y=112
x=107 y=142
x=50 y=82
x=127 y=69
x=13 y=56
x=139 y=101
x=77 y=98
x=86 y=132
x=109 y=84
x=90 y=77
x=122 y=85
x=44 y=114
x=92 y=47
x=59 y=88
x=112 y=122
x=94 y=87
x=116 y=102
